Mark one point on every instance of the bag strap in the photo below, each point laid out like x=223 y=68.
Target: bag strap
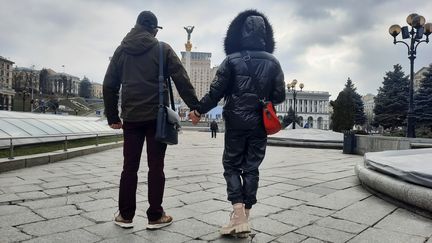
x=247 y=59
x=161 y=79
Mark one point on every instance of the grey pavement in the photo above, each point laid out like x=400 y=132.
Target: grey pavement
x=305 y=195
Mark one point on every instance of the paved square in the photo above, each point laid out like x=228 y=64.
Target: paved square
x=305 y=195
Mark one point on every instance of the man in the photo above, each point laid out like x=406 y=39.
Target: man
x=214 y=128
x=135 y=67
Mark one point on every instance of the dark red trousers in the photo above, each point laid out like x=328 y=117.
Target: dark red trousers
x=135 y=133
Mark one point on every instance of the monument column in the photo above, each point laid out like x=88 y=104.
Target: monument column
x=188 y=47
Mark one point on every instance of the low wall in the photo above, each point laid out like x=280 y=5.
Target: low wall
x=372 y=143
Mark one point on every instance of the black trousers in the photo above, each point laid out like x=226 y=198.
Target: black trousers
x=244 y=151
x=213 y=133
x=134 y=135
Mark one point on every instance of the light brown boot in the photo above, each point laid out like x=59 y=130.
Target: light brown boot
x=245 y=235
x=238 y=224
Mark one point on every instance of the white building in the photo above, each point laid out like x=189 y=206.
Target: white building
x=369 y=105
x=201 y=74
x=311 y=107
x=418 y=76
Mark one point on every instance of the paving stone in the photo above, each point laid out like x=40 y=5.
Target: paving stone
x=192 y=228
x=188 y=188
x=130 y=238
x=56 y=191
x=171 y=202
x=260 y=210
x=57 y=212
x=325 y=234
x=55 y=225
x=208 y=206
x=312 y=240
x=180 y=213
x=194 y=197
x=372 y=210
x=12 y=209
x=111 y=193
x=374 y=235
x=162 y=236
x=318 y=190
x=110 y=230
x=302 y=195
x=97 y=204
x=10 y=234
x=76 y=236
x=100 y=216
x=61 y=183
x=170 y=192
x=218 y=218
x=406 y=222
x=270 y=226
x=299 y=182
x=281 y=202
x=291 y=238
x=24 y=188
x=19 y=219
x=295 y=218
x=9 y=197
x=32 y=195
x=341 y=198
x=341 y=225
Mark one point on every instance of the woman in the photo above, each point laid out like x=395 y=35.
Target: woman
x=248 y=74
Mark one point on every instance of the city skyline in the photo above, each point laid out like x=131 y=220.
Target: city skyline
x=320 y=45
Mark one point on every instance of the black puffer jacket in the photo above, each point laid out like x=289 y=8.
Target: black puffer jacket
x=250 y=31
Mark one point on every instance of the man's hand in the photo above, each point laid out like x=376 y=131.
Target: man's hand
x=195 y=116
x=117 y=125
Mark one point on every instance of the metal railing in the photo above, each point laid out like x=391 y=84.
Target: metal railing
x=65 y=141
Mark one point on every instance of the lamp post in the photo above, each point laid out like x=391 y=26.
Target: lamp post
x=415 y=36
x=292 y=88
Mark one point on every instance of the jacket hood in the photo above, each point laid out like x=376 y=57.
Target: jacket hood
x=138 y=41
x=250 y=30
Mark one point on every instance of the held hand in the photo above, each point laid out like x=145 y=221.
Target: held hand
x=117 y=125
x=195 y=117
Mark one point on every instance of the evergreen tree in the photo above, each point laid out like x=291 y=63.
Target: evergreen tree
x=359 y=114
x=348 y=109
x=85 y=88
x=343 y=112
x=391 y=103
x=423 y=100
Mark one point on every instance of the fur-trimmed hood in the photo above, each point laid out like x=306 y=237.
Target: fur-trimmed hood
x=250 y=30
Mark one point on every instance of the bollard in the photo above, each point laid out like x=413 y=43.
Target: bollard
x=97 y=139
x=65 y=144
x=11 y=152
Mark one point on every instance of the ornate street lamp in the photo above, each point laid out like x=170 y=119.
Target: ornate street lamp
x=418 y=30
x=292 y=88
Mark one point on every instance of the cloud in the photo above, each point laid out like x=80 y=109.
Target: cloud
x=320 y=43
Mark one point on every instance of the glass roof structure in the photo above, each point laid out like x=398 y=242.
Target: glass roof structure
x=30 y=127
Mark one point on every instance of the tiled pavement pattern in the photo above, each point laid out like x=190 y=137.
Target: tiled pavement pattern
x=305 y=195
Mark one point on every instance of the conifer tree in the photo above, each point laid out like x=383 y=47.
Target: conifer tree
x=423 y=100
x=391 y=103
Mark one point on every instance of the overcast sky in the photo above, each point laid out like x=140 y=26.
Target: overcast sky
x=318 y=42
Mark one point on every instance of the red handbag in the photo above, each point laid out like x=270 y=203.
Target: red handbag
x=271 y=121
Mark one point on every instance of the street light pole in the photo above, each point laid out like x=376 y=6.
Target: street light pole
x=292 y=88
x=418 y=29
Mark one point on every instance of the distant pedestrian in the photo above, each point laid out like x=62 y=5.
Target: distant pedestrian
x=214 y=128
x=135 y=68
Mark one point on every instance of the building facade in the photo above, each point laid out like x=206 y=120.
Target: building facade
x=369 y=105
x=6 y=85
x=63 y=84
x=312 y=108
x=25 y=79
x=96 y=90
x=418 y=76
x=201 y=74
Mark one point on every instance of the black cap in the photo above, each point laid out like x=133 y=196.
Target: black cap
x=147 y=18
